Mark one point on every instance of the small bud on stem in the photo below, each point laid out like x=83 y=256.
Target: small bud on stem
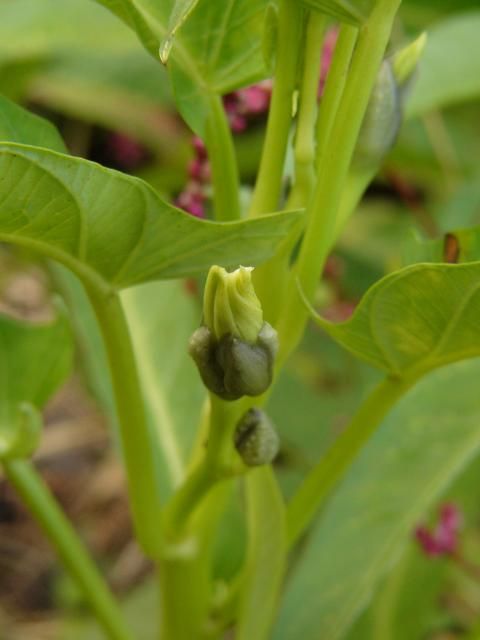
x=256 y=439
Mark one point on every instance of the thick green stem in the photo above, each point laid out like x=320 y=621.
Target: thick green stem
x=304 y=150
x=136 y=439
x=318 y=485
x=269 y=180
x=332 y=171
x=29 y=485
x=190 y=522
x=334 y=87
x=216 y=465
x=221 y=153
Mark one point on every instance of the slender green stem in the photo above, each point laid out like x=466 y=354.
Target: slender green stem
x=304 y=150
x=269 y=180
x=221 y=153
x=37 y=497
x=216 y=465
x=136 y=439
x=334 y=87
x=323 y=478
x=333 y=169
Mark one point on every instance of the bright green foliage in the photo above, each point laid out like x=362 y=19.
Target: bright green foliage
x=19 y=125
x=166 y=371
x=351 y=11
x=78 y=59
x=34 y=361
x=429 y=437
x=415 y=320
x=265 y=555
x=114 y=230
x=217 y=50
x=180 y=13
x=450 y=67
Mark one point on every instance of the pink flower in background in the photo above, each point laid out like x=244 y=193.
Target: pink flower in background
x=327 y=55
x=247 y=104
x=443 y=539
x=126 y=152
x=241 y=107
x=192 y=200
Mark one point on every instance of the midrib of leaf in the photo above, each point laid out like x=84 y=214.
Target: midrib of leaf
x=79 y=268
x=435 y=487
x=165 y=425
x=213 y=57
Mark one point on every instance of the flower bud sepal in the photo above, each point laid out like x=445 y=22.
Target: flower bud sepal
x=232 y=368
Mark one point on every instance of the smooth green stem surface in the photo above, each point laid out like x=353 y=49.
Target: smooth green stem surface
x=221 y=154
x=136 y=439
x=304 y=150
x=268 y=187
x=325 y=476
x=216 y=465
x=333 y=169
x=44 y=508
x=334 y=87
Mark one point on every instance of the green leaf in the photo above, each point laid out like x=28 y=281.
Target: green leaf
x=354 y=12
x=79 y=59
x=266 y=555
x=217 y=50
x=19 y=125
x=430 y=436
x=180 y=13
x=34 y=361
x=162 y=316
x=450 y=68
x=416 y=319
x=113 y=230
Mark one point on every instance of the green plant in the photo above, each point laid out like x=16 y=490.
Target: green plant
x=116 y=234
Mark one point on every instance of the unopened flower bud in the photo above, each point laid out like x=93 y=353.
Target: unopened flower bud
x=256 y=439
x=235 y=350
x=382 y=120
x=405 y=61
x=231 y=306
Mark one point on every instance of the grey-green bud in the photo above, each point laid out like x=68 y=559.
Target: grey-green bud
x=232 y=368
x=382 y=120
x=256 y=439
x=234 y=350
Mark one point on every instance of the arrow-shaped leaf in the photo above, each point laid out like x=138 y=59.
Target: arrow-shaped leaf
x=113 y=230
x=416 y=319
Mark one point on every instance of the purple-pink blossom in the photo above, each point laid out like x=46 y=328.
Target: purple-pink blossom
x=443 y=539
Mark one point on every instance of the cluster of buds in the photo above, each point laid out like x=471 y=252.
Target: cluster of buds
x=234 y=349
x=443 y=539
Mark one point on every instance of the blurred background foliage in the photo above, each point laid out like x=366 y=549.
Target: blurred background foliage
x=76 y=64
